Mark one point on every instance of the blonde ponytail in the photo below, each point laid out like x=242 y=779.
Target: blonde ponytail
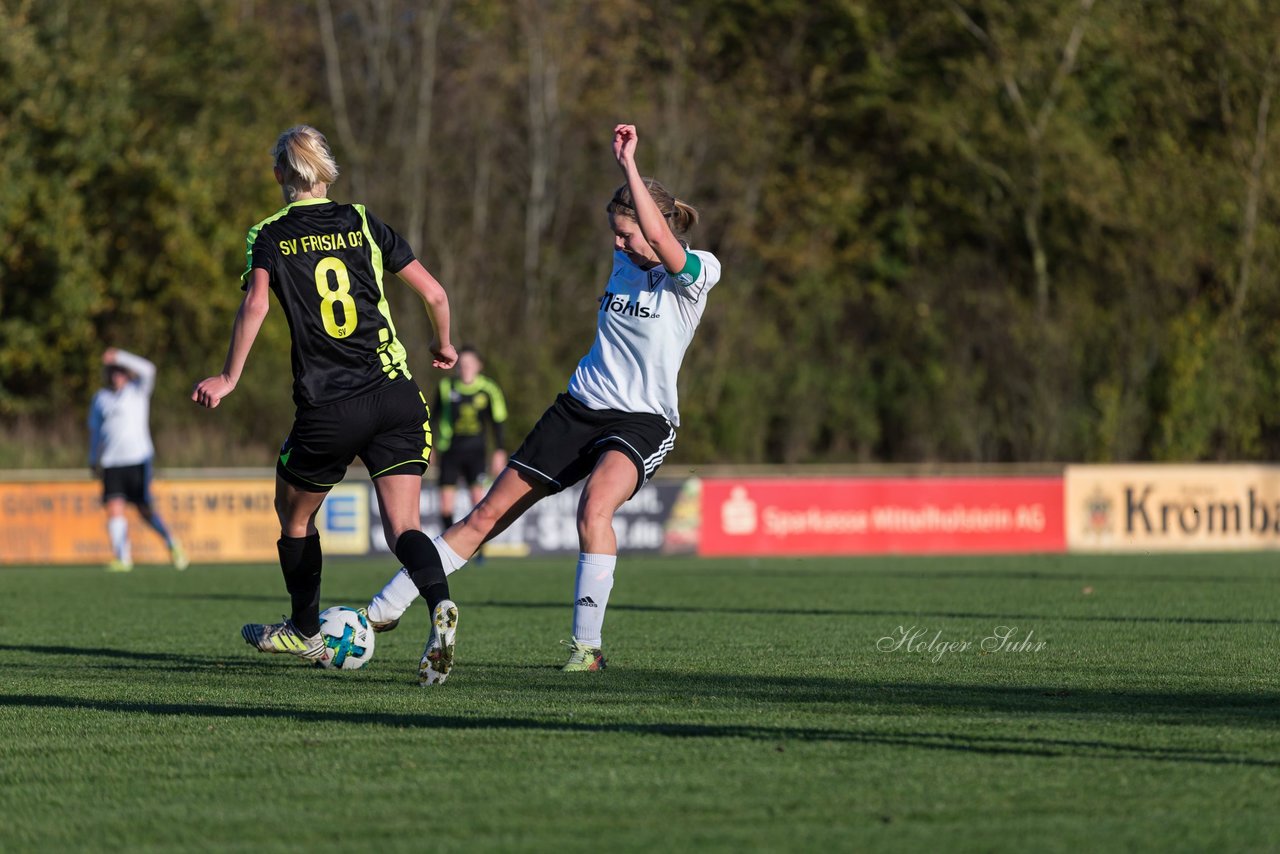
x=683 y=217
x=302 y=154
x=680 y=215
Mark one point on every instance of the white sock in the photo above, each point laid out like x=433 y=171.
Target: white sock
x=591 y=596
x=118 y=529
x=400 y=592
x=452 y=560
x=394 y=599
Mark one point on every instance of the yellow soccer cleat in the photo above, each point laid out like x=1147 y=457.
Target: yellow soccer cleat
x=284 y=638
x=583 y=657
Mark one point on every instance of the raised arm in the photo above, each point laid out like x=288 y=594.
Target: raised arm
x=653 y=225
x=143 y=369
x=416 y=276
x=253 y=310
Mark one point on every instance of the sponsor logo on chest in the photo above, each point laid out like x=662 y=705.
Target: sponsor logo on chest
x=633 y=298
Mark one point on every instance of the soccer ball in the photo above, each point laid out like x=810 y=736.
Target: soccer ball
x=349 y=637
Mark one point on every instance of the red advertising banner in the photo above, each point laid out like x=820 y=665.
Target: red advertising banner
x=857 y=516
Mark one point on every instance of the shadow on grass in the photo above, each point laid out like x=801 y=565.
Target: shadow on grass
x=804 y=612
x=905 y=613
x=1091 y=577
x=276 y=598
x=107 y=658
x=858 y=696
x=956 y=742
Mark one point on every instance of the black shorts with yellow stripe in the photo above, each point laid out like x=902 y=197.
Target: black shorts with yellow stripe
x=388 y=429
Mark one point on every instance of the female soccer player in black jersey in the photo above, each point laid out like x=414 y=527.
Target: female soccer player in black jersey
x=325 y=262
x=618 y=419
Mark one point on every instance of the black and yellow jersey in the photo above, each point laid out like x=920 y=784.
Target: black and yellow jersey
x=327 y=264
x=464 y=410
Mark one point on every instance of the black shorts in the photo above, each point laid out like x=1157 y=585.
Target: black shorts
x=464 y=461
x=564 y=445
x=388 y=430
x=132 y=483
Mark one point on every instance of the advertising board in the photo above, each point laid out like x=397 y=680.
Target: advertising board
x=854 y=516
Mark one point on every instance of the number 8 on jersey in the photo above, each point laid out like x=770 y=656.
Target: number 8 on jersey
x=341 y=295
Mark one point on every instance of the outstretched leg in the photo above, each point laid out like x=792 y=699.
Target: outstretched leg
x=477 y=495
x=152 y=518
x=511 y=495
x=142 y=500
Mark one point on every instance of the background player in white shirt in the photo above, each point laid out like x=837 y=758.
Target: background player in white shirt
x=120 y=452
x=618 y=420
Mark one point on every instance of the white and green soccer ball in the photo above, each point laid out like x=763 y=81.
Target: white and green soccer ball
x=349 y=637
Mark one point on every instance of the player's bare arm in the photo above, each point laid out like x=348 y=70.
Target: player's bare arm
x=432 y=292
x=253 y=310
x=653 y=225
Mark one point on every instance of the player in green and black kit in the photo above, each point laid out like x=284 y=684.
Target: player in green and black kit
x=467 y=408
x=325 y=262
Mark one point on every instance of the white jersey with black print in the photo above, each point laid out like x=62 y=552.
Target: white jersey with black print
x=119 y=428
x=646 y=320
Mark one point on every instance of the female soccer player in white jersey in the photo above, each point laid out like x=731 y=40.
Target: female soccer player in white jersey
x=618 y=420
x=352 y=388
x=120 y=450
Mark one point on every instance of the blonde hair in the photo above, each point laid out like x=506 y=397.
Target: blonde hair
x=679 y=215
x=302 y=154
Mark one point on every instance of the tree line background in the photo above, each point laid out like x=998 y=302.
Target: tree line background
x=962 y=231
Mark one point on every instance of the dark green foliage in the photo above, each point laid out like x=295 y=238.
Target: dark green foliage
x=951 y=231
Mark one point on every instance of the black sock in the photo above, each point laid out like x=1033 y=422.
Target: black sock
x=421 y=559
x=300 y=561
x=446 y=519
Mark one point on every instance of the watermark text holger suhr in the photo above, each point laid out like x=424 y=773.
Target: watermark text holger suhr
x=921 y=640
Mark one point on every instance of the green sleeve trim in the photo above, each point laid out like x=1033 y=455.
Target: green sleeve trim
x=692 y=269
x=248 y=253
x=253 y=238
x=395 y=360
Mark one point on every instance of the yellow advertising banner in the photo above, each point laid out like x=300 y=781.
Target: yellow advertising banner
x=218 y=521
x=1170 y=508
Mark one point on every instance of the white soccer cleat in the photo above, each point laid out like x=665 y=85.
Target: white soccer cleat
x=437 y=658
x=379 y=615
x=389 y=604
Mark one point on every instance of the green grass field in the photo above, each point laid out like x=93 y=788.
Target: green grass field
x=746 y=706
